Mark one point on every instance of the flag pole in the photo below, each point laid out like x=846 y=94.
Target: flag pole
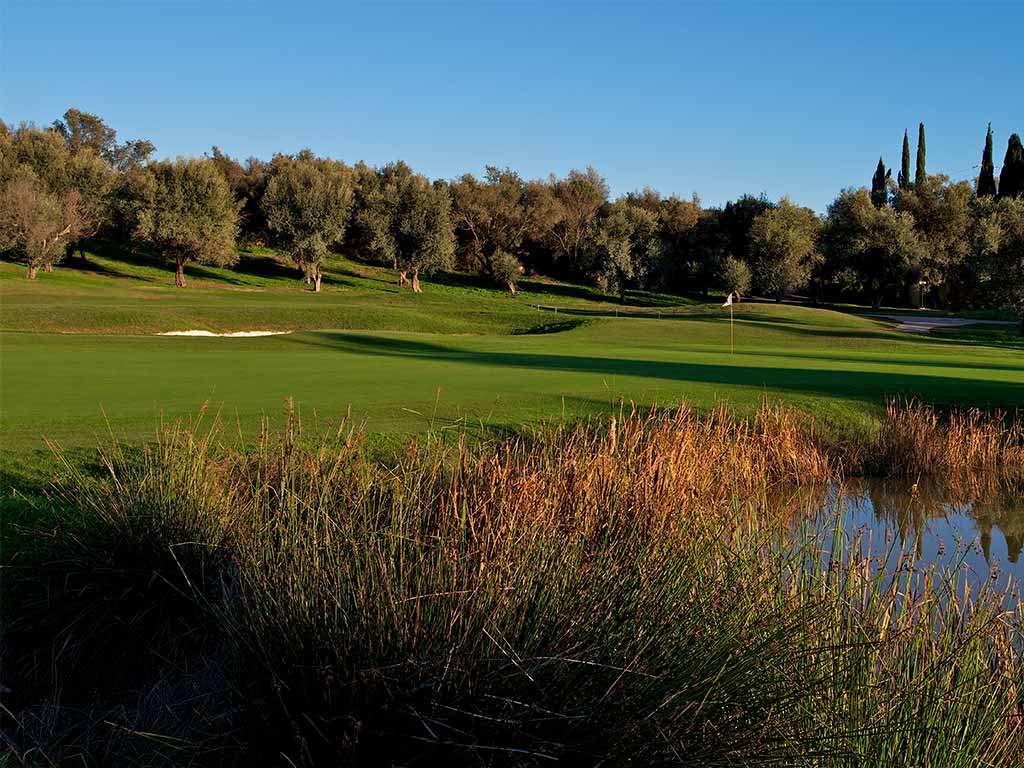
x=732 y=344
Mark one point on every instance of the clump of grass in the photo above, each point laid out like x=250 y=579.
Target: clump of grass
x=608 y=592
x=914 y=440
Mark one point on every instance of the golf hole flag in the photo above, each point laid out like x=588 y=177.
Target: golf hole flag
x=732 y=344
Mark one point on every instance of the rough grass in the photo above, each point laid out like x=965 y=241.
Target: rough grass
x=609 y=592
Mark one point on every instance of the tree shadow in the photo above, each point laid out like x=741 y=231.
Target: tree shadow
x=890 y=361
x=866 y=386
x=562 y=290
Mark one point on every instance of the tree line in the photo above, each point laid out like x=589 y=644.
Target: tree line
x=960 y=244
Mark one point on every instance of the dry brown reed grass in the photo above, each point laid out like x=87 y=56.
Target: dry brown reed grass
x=916 y=440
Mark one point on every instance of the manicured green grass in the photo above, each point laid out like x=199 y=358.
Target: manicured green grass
x=78 y=353
x=262 y=292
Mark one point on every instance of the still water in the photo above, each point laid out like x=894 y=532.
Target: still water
x=978 y=526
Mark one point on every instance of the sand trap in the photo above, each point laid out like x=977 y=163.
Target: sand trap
x=924 y=323
x=232 y=334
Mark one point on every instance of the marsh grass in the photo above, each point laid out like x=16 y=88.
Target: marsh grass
x=611 y=592
x=915 y=440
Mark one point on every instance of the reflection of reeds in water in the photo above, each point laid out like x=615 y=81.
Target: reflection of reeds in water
x=905 y=506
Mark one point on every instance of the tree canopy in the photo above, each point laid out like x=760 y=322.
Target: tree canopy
x=784 y=248
x=185 y=212
x=877 y=247
x=408 y=222
x=1011 y=177
x=307 y=204
x=987 y=178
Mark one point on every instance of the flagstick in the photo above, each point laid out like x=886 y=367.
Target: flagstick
x=732 y=344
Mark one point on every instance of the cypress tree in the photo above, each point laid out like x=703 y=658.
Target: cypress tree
x=920 y=176
x=1011 y=177
x=904 y=176
x=879 y=193
x=987 y=178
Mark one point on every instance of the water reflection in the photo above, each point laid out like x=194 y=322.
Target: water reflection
x=975 y=524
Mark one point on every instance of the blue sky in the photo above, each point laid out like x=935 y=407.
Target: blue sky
x=714 y=98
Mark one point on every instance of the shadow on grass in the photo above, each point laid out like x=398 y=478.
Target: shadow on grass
x=889 y=361
x=867 y=386
x=633 y=298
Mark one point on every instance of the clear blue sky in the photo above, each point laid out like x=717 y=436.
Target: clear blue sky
x=718 y=99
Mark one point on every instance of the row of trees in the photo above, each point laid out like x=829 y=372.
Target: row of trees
x=1011 y=177
x=959 y=241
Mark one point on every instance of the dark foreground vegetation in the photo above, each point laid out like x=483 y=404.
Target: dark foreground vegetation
x=608 y=593
x=927 y=241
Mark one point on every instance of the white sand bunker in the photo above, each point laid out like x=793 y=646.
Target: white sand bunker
x=232 y=334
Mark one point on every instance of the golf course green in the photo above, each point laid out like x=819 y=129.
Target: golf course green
x=81 y=354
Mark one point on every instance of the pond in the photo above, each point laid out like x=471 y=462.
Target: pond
x=978 y=527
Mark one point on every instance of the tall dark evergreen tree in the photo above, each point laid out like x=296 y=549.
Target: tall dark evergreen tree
x=920 y=174
x=1011 y=177
x=904 y=176
x=987 y=178
x=879 y=191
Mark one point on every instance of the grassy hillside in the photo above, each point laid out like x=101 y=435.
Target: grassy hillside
x=109 y=296
x=79 y=352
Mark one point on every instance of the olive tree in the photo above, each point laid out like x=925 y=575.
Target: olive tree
x=578 y=198
x=734 y=276
x=407 y=221
x=307 y=203
x=678 y=219
x=626 y=246
x=942 y=213
x=85 y=131
x=784 y=248
x=491 y=218
x=185 y=211
x=878 y=247
x=50 y=197
x=998 y=241
x=36 y=224
x=506 y=270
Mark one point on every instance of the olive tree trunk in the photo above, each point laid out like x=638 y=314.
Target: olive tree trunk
x=33 y=270
x=317 y=275
x=416 y=281
x=402 y=279
x=179 y=273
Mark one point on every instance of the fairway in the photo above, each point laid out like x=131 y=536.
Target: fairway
x=80 y=354
x=837 y=367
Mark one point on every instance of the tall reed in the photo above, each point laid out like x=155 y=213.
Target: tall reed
x=608 y=592
x=915 y=440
